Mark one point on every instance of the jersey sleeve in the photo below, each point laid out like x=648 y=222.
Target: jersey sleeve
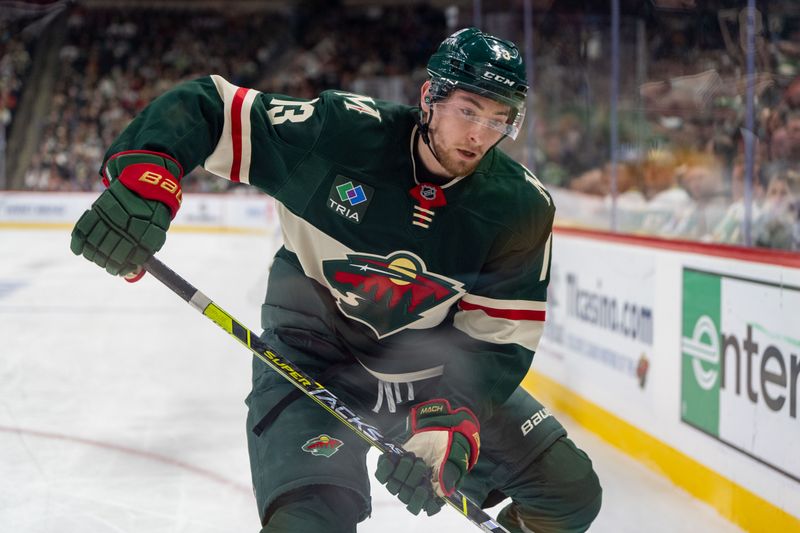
x=237 y=133
x=502 y=317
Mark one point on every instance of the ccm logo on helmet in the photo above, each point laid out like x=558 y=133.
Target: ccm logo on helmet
x=492 y=76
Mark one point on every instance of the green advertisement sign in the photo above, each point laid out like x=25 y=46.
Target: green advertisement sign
x=740 y=365
x=700 y=353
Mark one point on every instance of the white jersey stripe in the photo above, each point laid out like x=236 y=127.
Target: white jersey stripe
x=478 y=325
x=483 y=301
x=225 y=157
x=546 y=261
x=247 y=148
x=406 y=377
x=221 y=159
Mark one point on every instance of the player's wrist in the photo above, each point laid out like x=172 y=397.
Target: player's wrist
x=151 y=175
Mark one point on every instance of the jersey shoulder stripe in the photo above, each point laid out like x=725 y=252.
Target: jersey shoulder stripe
x=231 y=157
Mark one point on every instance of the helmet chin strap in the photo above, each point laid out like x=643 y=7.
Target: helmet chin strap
x=424 y=131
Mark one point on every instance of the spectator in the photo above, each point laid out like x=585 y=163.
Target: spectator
x=777 y=224
x=729 y=229
x=701 y=176
x=15 y=62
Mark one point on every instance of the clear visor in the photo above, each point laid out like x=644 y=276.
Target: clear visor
x=480 y=106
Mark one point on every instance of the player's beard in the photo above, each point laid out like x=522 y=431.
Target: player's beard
x=450 y=161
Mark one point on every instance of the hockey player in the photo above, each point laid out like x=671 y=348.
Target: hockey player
x=412 y=283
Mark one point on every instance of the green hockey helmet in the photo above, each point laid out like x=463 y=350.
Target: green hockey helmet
x=482 y=64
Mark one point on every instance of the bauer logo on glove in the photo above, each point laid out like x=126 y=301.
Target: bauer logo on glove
x=153 y=183
x=128 y=222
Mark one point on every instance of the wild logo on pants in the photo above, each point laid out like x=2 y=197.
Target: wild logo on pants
x=323 y=445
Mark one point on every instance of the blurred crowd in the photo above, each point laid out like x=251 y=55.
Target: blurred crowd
x=680 y=167
x=115 y=61
x=685 y=151
x=346 y=47
x=15 y=62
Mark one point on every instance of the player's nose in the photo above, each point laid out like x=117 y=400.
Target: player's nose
x=476 y=133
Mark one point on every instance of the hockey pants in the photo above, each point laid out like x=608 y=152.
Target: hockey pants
x=308 y=469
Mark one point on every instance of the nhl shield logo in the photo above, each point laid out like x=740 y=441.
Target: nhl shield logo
x=388 y=293
x=428 y=192
x=322 y=445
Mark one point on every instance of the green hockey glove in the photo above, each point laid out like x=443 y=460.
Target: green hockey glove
x=408 y=478
x=445 y=439
x=128 y=222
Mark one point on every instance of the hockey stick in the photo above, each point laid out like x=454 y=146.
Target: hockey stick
x=308 y=385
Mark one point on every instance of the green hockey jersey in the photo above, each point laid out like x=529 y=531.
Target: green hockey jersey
x=414 y=280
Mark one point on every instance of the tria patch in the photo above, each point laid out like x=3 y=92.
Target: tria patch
x=323 y=445
x=349 y=198
x=387 y=293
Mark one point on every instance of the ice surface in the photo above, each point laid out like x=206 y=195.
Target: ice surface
x=121 y=407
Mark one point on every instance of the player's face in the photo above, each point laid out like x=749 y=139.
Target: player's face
x=463 y=130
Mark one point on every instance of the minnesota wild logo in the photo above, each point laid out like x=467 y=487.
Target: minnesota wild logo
x=389 y=293
x=323 y=445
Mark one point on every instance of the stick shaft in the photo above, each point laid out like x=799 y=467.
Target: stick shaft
x=308 y=385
